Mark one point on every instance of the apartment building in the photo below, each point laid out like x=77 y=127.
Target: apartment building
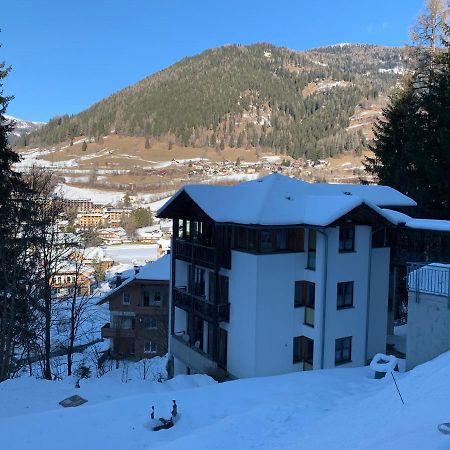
x=278 y=275
x=139 y=306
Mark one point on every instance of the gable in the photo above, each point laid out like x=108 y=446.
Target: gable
x=362 y=215
x=182 y=206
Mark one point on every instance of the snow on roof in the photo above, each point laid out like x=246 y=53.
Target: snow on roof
x=418 y=224
x=430 y=279
x=280 y=200
x=157 y=270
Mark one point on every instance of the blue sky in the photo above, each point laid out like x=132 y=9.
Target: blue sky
x=66 y=55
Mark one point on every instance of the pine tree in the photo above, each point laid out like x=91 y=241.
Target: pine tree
x=395 y=144
x=9 y=178
x=411 y=145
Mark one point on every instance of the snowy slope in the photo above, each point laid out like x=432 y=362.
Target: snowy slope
x=326 y=409
x=23 y=127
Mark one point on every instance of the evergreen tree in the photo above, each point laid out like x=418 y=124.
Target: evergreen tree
x=411 y=145
x=394 y=147
x=10 y=179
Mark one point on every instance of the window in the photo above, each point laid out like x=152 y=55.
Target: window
x=296 y=239
x=150 y=347
x=305 y=292
x=281 y=239
x=223 y=289
x=145 y=298
x=240 y=238
x=126 y=298
x=312 y=237
x=303 y=349
x=199 y=282
x=123 y=322
x=253 y=239
x=343 y=350
x=157 y=297
x=266 y=241
x=345 y=295
x=346 y=238
x=150 y=323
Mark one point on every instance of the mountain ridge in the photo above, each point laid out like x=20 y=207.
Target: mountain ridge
x=293 y=102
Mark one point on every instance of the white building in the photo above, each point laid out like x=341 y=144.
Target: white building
x=428 y=329
x=278 y=275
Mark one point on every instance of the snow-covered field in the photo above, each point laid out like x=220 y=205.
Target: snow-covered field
x=132 y=253
x=325 y=409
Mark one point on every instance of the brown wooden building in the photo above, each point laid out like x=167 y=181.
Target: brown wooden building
x=139 y=313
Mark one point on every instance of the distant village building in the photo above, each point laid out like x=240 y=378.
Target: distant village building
x=112 y=235
x=139 y=308
x=90 y=220
x=92 y=257
x=70 y=278
x=78 y=204
x=115 y=216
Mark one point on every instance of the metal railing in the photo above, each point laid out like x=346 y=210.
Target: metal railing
x=428 y=278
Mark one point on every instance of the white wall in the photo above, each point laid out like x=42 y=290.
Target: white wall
x=378 y=307
x=242 y=327
x=428 y=329
x=277 y=321
x=339 y=323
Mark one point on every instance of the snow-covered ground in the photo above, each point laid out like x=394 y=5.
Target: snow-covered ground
x=324 y=409
x=132 y=253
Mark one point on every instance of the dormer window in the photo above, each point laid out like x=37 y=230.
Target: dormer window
x=346 y=238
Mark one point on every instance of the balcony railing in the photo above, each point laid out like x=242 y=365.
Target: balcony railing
x=432 y=278
x=200 y=306
x=192 y=356
x=202 y=254
x=108 y=332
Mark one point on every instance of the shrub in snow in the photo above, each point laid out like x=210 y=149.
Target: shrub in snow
x=83 y=371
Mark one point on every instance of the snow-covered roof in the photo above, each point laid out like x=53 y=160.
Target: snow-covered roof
x=280 y=200
x=418 y=224
x=432 y=278
x=157 y=270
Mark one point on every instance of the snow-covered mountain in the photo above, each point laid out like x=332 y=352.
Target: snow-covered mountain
x=23 y=127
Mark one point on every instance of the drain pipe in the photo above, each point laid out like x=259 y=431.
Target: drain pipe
x=324 y=295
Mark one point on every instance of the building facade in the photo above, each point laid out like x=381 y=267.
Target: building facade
x=138 y=325
x=277 y=275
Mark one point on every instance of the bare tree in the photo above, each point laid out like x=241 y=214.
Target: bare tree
x=52 y=245
x=430 y=26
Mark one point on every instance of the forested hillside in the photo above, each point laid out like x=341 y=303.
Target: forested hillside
x=261 y=96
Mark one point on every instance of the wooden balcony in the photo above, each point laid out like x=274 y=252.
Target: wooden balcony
x=108 y=332
x=203 y=255
x=200 y=306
